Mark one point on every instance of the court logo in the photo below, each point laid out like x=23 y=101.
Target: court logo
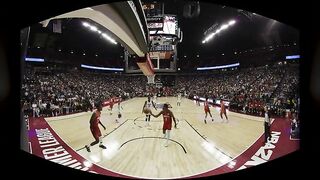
x=264 y=153
x=53 y=151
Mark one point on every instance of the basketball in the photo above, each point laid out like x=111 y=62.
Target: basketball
x=146 y=110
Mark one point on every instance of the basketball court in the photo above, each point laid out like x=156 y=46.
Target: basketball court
x=135 y=149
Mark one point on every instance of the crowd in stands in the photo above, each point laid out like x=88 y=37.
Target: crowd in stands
x=248 y=90
x=49 y=92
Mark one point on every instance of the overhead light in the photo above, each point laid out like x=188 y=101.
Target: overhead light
x=294 y=44
x=38 y=47
x=84 y=54
x=198 y=55
x=96 y=55
x=121 y=56
x=71 y=52
x=109 y=38
x=185 y=56
x=223 y=27
x=211 y=35
x=85 y=24
x=235 y=52
x=222 y=54
x=232 y=22
x=59 y=49
x=178 y=69
x=93 y=28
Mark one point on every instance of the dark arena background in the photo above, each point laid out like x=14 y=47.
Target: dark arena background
x=160 y=90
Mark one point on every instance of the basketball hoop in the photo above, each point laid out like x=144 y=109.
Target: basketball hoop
x=151 y=79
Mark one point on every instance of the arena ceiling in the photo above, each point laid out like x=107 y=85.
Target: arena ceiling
x=250 y=32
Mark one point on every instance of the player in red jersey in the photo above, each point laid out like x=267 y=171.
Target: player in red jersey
x=167 y=121
x=94 y=121
x=223 y=110
x=207 y=110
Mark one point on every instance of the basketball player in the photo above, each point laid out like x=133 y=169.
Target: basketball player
x=294 y=123
x=119 y=112
x=147 y=105
x=267 y=124
x=223 y=110
x=207 y=110
x=154 y=99
x=167 y=122
x=179 y=99
x=197 y=100
x=94 y=121
x=111 y=106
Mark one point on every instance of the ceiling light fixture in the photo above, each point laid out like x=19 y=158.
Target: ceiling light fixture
x=95 y=29
x=222 y=27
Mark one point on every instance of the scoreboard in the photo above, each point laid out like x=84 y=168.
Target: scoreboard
x=166 y=25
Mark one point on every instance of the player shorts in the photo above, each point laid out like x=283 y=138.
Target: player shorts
x=95 y=132
x=167 y=126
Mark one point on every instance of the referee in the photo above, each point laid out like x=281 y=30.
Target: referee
x=267 y=124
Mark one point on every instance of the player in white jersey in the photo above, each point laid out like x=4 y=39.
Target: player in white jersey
x=148 y=105
x=154 y=99
x=179 y=99
x=119 y=112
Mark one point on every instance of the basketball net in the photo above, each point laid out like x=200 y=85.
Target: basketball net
x=151 y=79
